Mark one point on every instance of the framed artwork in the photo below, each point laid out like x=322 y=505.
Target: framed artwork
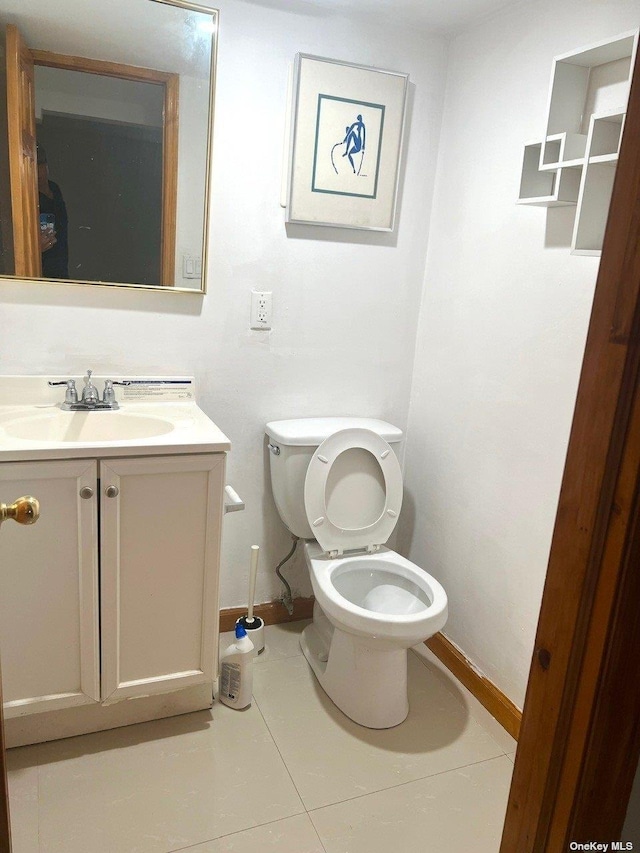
x=346 y=140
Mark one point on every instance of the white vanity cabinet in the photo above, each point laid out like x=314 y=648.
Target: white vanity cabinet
x=49 y=641
x=113 y=594
x=160 y=526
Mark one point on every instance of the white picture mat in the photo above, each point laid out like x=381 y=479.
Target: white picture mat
x=347 y=91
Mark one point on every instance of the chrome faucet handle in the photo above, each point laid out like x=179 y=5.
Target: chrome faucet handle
x=70 y=395
x=108 y=395
x=90 y=392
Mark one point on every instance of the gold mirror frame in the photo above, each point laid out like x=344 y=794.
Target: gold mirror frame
x=201 y=291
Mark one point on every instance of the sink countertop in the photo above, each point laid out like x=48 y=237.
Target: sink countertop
x=31 y=400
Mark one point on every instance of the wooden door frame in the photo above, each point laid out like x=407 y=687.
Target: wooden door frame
x=23 y=181
x=171 y=85
x=580 y=740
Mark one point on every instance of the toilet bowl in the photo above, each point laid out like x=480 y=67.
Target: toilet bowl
x=369 y=610
x=338 y=481
x=382 y=597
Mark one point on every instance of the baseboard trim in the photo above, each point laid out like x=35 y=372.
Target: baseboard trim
x=494 y=700
x=273 y=613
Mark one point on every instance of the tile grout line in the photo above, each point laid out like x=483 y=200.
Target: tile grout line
x=315 y=829
x=310 y=812
x=501 y=754
x=268 y=822
x=306 y=810
x=402 y=784
x=288 y=657
x=237 y=832
x=390 y=787
x=278 y=751
x=285 y=763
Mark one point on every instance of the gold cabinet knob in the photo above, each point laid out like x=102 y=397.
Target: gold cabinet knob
x=25 y=510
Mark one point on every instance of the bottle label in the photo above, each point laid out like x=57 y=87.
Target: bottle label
x=230 y=681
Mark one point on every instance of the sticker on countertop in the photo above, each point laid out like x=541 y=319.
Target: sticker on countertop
x=158 y=389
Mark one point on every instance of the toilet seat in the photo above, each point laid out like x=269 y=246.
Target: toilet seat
x=333 y=538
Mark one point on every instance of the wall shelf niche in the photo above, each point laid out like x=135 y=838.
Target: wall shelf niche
x=562 y=150
x=546 y=188
x=605 y=134
x=575 y=161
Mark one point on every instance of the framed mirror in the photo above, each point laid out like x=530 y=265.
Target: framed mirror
x=106 y=112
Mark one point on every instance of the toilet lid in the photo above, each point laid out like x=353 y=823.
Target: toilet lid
x=353 y=491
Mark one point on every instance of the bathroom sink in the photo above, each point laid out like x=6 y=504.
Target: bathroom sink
x=87 y=427
x=156 y=416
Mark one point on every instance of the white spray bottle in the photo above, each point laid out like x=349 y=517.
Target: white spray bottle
x=236 y=671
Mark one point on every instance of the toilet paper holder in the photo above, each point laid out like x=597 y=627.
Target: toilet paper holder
x=232 y=500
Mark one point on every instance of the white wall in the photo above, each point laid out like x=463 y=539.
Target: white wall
x=500 y=341
x=345 y=303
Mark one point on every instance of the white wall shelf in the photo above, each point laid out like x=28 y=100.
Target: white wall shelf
x=576 y=160
x=563 y=150
x=593 y=208
x=605 y=133
x=556 y=188
x=604 y=158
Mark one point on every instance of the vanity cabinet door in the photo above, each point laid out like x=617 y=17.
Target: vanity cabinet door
x=49 y=589
x=161 y=520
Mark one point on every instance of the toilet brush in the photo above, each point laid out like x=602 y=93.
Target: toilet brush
x=253 y=625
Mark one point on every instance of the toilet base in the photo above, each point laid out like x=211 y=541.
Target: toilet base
x=367 y=684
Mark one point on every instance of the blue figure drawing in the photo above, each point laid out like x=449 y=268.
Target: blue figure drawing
x=354 y=143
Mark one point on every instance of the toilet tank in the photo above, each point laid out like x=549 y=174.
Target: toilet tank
x=292 y=443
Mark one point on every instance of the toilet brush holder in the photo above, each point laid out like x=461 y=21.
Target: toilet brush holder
x=255 y=631
x=253 y=625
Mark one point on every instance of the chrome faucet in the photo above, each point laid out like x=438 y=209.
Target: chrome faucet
x=90 y=400
x=90 y=396
x=70 y=395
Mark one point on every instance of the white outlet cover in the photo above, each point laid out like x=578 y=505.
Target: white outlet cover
x=261 y=302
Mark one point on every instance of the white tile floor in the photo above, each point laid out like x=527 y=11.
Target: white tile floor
x=291 y=774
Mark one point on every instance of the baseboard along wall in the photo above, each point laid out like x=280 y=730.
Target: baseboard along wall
x=493 y=699
x=273 y=613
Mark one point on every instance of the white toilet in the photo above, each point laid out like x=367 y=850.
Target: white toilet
x=338 y=481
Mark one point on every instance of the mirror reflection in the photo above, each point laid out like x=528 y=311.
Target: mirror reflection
x=104 y=141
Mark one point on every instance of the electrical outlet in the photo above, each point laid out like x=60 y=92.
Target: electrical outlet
x=260 y=309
